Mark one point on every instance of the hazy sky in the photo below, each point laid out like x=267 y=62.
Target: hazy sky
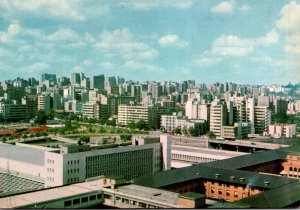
x=247 y=41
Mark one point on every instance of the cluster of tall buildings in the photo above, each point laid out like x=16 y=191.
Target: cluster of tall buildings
x=229 y=110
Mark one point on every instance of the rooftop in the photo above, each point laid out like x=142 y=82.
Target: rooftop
x=146 y=193
x=10 y=184
x=192 y=195
x=200 y=171
x=280 y=197
x=249 y=160
x=23 y=154
x=201 y=151
x=49 y=194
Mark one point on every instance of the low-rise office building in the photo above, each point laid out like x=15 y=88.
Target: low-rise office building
x=75 y=163
x=282 y=130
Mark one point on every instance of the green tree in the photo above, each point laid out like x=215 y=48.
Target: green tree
x=51 y=114
x=68 y=124
x=126 y=137
x=112 y=122
x=141 y=124
x=184 y=131
x=192 y=131
x=211 y=135
x=131 y=125
x=85 y=139
x=41 y=117
x=177 y=130
x=4 y=139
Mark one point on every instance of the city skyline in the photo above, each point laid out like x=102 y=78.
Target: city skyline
x=207 y=41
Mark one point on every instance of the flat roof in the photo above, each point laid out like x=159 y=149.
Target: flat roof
x=22 y=154
x=214 y=152
x=49 y=194
x=150 y=194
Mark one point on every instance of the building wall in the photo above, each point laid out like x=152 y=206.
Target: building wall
x=291 y=167
x=262 y=119
x=130 y=162
x=228 y=192
x=127 y=114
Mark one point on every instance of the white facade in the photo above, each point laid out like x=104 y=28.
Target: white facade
x=74 y=163
x=195 y=110
x=282 y=130
x=165 y=140
x=127 y=114
x=217 y=118
x=170 y=122
x=44 y=103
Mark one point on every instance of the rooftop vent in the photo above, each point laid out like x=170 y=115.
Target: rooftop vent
x=266 y=183
x=232 y=178
x=242 y=179
x=217 y=175
x=156 y=194
x=198 y=174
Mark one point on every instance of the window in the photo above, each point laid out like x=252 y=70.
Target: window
x=220 y=192
x=235 y=194
x=143 y=205
x=76 y=201
x=68 y=203
x=92 y=197
x=84 y=199
x=107 y=196
x=227 y=193
x=212 y=190
x=99 y=196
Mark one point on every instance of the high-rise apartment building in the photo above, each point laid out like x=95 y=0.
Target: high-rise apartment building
x=44 y=103
x=218 y=117
x=262 y=119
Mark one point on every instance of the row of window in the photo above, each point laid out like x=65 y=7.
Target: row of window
x=191 y=158
x=50 y=170
x=71 y=162
x=228 y=193
x=295 y=169
x=72 y=180
x=79 y=201
x=50 y=161
x=71 y=171
x=50 y=179
x=132 y=202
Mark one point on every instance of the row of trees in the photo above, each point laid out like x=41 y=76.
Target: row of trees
x=141 y=125
x=192 y=131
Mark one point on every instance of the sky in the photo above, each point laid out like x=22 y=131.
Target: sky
x=246 y=41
